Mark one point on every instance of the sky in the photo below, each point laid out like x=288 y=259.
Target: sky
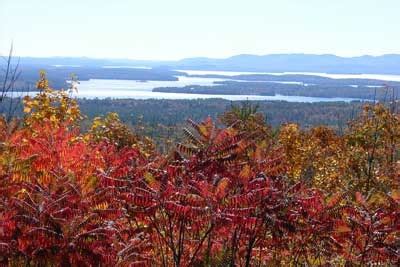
x=175 y=29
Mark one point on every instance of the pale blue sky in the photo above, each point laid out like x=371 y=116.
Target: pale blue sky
x=174 y=29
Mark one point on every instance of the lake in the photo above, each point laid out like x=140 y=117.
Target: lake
x=100 y=88
x=119 y=89
x=103 y=88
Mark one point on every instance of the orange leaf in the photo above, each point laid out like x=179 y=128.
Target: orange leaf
x=333 y=200
x=360 y=199
x=385 y=220
x=221 y=187
x=342 y=228
x=245 y=173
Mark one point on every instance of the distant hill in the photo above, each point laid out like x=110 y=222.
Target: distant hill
x=84 y=62
x=386 y=64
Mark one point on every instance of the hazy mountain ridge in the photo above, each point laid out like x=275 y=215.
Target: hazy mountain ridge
x=385 y=64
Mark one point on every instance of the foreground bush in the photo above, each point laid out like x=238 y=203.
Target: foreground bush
x=235 y=196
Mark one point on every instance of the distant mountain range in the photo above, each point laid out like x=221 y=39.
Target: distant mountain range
x=385 y=64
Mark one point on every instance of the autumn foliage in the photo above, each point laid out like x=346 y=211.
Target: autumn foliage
x=240 y=195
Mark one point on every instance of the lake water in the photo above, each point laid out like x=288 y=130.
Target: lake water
x=102 y=88
x=122 y=89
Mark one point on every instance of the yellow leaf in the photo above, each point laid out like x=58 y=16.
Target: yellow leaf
x=203 y=130
x=396 y=195
x=53 y=118
x=152 y=182
x=148 y=177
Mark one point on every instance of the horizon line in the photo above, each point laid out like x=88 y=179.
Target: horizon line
x=206 y=57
